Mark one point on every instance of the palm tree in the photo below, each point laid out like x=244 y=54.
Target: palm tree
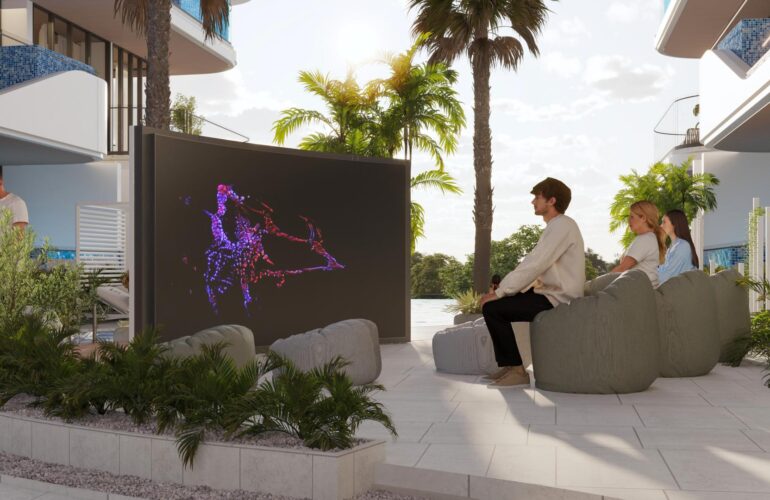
x=421 y=98
x=474 y=27
x=153 y=19
x=351 y=121
x=669 y=187
x=437 y=179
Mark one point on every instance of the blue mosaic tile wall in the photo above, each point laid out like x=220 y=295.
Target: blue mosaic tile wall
x=193 y=7
x=725 y=257
x=21 y=63
x=746 y=39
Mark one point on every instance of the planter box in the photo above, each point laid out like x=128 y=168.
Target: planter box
x=299 y=473
x=464 y=318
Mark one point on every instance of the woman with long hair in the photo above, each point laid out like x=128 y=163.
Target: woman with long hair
x=648 y=250
x=681 y=255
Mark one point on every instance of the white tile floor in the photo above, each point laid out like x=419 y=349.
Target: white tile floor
x=705 y=437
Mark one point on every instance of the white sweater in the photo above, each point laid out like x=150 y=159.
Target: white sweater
x=555 y=267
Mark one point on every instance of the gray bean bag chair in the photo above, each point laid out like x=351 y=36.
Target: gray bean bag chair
x=733 y=318
x=356 y=340
x=600 y=344
x=687 y=319
x=239 y=340
x=465 y=349
x=596 y=285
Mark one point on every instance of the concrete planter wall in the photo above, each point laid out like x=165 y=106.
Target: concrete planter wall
x=298 y=473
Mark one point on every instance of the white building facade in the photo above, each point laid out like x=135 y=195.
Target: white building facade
x=728 y=134
x=72 y=80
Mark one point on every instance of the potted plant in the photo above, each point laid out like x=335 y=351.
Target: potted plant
x=466 y=307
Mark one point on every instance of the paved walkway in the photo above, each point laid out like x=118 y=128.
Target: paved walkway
x=15 y=493
x=690 y=438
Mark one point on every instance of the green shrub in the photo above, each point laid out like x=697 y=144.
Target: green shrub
x=321 y=407
x=34 y=358
x=199 y=392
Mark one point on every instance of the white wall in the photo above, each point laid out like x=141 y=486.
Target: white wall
x=741 y=177
x=79 y=123
x=52 y=192
x=17 y=19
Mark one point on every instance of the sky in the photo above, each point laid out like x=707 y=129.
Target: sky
x=583 y=111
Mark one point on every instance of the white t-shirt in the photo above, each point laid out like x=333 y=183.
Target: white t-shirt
x=644 y=250
x=17 y=207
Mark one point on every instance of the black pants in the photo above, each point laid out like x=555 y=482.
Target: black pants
x=500 y=313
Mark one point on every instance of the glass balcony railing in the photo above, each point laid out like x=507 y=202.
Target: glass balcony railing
x=678 y=127
x=749 y=40
x=193 y=8
x=665 y=5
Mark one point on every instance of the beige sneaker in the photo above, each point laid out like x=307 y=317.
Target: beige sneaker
x=511 y=379
x=499 y=373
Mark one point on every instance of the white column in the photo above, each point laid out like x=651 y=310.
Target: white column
x=699 y=167
x=764 y=253
x=755 y=248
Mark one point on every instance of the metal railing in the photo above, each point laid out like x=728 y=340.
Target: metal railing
x=678 y=127
x=121 y=118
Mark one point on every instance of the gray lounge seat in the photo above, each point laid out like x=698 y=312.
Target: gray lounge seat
x=239 y=340
x=687 y=319
x=465 y=349
x=733 y=318
x=602 y=343
x=356 y=340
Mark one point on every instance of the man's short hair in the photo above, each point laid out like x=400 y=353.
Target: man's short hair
x=554 y=188
x=1 y=171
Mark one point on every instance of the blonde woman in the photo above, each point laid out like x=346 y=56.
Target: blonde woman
x=648 y=250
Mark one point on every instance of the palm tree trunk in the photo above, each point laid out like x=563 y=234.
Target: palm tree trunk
x=482 y=164
x=158 y=86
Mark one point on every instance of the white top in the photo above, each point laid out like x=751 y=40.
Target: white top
x=555 y=268
x=644 y=250
x=17 y=207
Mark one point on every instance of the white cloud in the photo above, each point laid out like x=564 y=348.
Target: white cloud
x=565 y=32
x=623 y=12
x=574 y=110
x=561 y=65
x=618 y=77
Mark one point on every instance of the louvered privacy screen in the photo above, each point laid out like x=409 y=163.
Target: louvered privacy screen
x=101 y=238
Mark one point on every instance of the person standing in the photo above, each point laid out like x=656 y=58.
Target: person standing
x=14 y=204
x=552 y=273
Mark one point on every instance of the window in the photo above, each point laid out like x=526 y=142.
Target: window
x=78 y=46
x=60 y=38
x=40 y=25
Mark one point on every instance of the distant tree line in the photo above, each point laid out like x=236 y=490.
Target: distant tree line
x=439 y=275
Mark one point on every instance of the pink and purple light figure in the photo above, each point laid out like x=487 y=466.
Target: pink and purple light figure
x=243 y=260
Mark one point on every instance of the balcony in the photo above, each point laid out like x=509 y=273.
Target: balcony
x=735 y=90
x=38 y=126
x=678 y=130
x=691 y=27
x=190 y=52
x=193 y=8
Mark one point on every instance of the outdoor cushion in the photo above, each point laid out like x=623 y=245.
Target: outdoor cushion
x=239 y=340
x=733 y=318
x=465 y=349
x=115 y=296
x=600 y=344
x=687 y=319
x=356 y=340
x=599 y=283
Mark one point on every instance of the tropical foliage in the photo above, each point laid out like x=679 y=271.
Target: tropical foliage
x=152 y=18
x=416 y=107
x=491 y=33
x=669 y=187
x=757 y=341
x=467 y=302
x=425 y=280
x=192 y=396
x=183 y=115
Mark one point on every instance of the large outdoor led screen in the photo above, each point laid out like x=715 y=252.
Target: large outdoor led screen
x=279 y=240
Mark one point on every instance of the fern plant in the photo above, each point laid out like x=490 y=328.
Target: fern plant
x=198 y=392
x=134 y=374
x=321 y=407
x=34 y=358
